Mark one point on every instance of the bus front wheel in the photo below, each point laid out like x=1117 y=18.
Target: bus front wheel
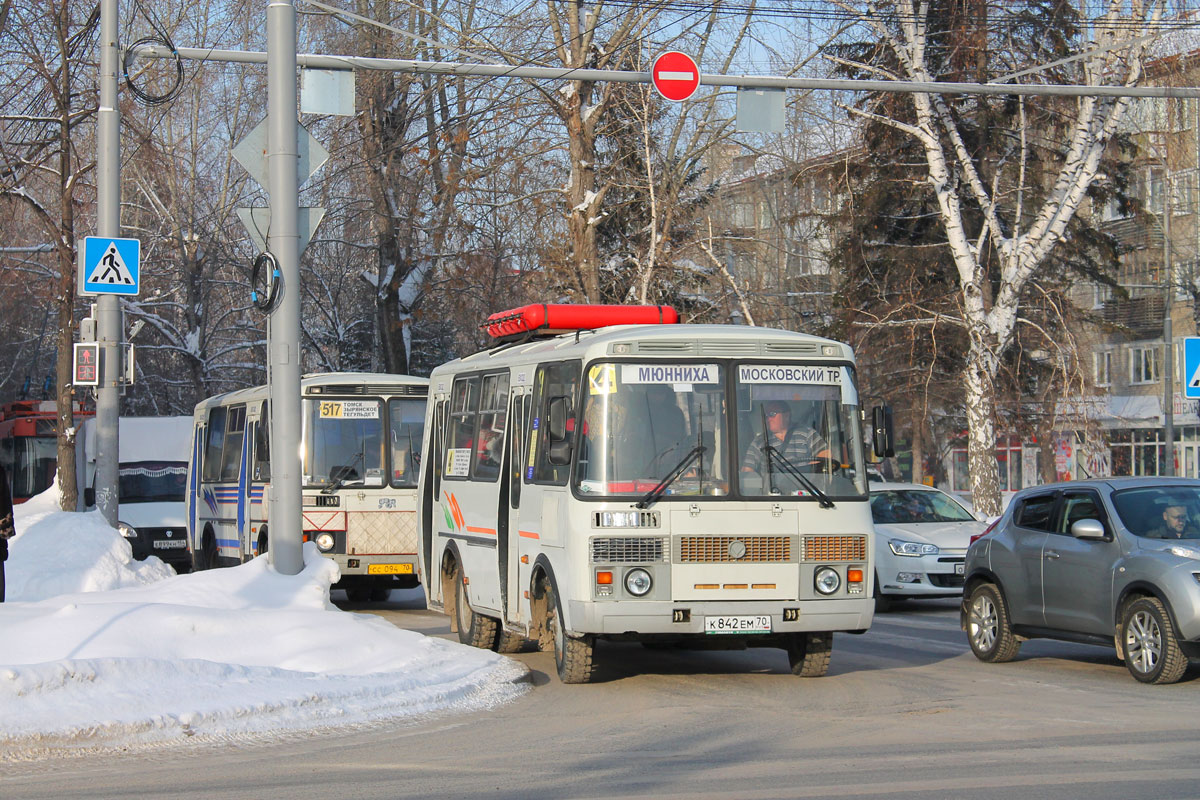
x=808 y=653
x=474 y=629
x=573 y=655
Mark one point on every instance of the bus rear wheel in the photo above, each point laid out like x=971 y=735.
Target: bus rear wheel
x=474 y=629
x=573 y=655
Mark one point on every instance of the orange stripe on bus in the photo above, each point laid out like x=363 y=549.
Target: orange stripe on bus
x=528 y=535
x=487 y=531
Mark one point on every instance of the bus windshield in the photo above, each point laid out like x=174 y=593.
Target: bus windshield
x=642 y=422
x=407 y=429
x=343 y=443
x=31 y=464
x=813 y=442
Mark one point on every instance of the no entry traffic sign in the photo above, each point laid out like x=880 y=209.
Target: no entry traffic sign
x=675 y=76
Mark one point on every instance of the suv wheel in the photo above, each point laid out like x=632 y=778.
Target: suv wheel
x=991 y=636
x=1152 y=653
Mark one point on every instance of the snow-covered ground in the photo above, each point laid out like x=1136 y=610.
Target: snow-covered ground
x=98 y=651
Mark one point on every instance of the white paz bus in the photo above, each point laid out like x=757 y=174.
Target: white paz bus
x=602 y=473
x=361 y=436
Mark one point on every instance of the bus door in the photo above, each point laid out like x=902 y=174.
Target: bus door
x=544 y=491
x=260 y=475
x=508 y=531
x=193 y=503
x=432 y=490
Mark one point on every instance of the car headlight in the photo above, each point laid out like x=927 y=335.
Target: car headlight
x=638 y=582
x=827 y=580
x=1183 y=552
x=912 y=549
x=324 y=542
x=127 y=530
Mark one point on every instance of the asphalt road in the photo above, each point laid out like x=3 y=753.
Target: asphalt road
x=906 y=711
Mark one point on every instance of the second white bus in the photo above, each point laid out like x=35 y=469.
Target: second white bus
x=361 y=447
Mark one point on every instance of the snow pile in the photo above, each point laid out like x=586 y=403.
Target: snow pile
x=219 y=655
x=56 y=552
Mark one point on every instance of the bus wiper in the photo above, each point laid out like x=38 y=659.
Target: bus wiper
x=343 y=474
x=796 y=474
x=657 y=492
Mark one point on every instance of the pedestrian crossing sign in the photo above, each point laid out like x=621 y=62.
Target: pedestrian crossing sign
x=110 y=266
x=1191 y=366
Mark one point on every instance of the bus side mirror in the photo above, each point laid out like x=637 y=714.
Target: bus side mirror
x=881 y=431
x=560 y=445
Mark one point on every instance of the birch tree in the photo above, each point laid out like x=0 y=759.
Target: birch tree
x=997 y=244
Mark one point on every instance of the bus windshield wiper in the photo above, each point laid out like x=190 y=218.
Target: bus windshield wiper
x=790 y=469
x=655 y=493
x=343 y=474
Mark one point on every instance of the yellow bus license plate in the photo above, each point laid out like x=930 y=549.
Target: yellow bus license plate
x=389 y=569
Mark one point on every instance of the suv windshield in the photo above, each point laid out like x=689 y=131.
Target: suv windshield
x=811 y=415
x=641 y=420
x=152 y=482
x=343 y=443
x=1160 y=512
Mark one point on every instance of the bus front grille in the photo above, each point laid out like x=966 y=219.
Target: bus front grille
x=721 y=549
x=628 y=549
x=834 y=548
x=381 y=532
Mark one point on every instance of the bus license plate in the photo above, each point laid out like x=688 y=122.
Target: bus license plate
x=389 y=569
x=760 y=623
x=167 y=544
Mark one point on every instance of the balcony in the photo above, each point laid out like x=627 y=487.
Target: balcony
x=1142 y=316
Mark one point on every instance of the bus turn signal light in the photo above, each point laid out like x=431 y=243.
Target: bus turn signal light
x=854 y=576
x=604 y=578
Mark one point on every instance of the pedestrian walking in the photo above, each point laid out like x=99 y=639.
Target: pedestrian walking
x=6 y=524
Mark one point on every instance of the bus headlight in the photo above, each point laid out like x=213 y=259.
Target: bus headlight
x=638 y=582
x=827 y=580
x=324 y=542
x=127 y=530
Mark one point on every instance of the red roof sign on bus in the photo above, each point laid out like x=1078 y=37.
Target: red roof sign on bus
x=551 y=318
x=675 y=75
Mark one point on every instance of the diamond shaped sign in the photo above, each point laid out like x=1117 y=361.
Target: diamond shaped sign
x=251 y=153
x=258 y=222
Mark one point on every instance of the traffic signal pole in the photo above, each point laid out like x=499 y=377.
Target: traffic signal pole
x=283 y=327
x=109 y=334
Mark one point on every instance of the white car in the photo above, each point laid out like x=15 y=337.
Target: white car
x=921 y=538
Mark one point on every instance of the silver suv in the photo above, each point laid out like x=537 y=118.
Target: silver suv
x=1109 y=562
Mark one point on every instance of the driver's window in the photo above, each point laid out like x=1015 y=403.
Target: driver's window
x=1077 y=507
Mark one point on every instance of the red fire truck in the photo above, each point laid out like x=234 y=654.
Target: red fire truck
x=29 y=446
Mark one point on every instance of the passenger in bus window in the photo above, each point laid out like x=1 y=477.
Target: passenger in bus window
x=802 y=446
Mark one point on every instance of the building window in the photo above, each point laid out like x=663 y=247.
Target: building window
x=1143 y=365
x=1102 y=366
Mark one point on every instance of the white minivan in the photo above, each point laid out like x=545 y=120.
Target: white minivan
x=152 y=479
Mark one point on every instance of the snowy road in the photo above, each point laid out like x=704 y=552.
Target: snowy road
x=905 y=711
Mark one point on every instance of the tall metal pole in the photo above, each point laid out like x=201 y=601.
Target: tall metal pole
x=283 y=332
x=1168 y=336
x=108 y=307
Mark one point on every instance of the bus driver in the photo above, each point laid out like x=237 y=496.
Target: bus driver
x=800 y=447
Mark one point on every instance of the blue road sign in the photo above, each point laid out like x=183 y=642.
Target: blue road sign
x=1191 y=366
x=111 y=266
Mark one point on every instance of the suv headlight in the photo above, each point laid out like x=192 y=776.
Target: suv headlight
x=1183 y=552
x=127 y=530
x=912 y=549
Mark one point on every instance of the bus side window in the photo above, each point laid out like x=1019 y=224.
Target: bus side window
x=493 y=414
x=262 y=445
x=520 y=409
x=554 y=380
x=212 y=448
x=464 y=402
x=231 y=451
